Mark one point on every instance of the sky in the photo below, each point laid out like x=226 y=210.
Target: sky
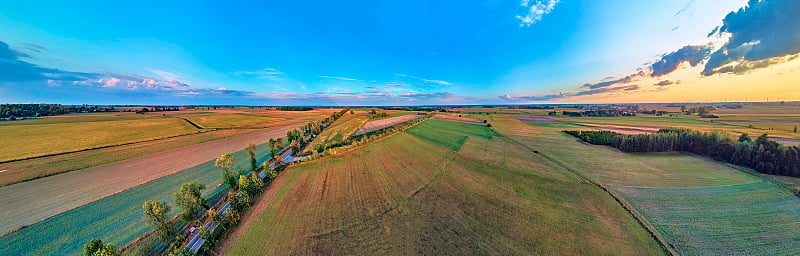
x=398 y=52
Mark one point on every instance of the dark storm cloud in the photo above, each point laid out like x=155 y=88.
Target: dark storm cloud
x=761 y=30
x=664 y=83
x=609 y=83
x=693 y=54
x=607 y=90
x=12 y=69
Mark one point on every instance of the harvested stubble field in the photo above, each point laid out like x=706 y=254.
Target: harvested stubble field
x=29 y=202
x=338 y=131
x=382 y=123
x=116 y=219
x=453 y=118
x=401 y=196
x=24 y=170
x=215 y=121
x=699 y=205
x=32 y=139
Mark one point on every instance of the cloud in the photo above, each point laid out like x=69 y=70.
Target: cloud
x=425 y=80
x=34 y=48
x=265 y=73
x=664 y=83
x=602 y=90
x=626 y=79
x=693 y=54
x=684 y=8
x=535 y=11
x=607 y=90
x=340 y=78
x=759 y=31
x=531 y=97
x=12 y=69
x=745 y=66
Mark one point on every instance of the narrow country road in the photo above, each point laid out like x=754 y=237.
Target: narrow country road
x=29 y=202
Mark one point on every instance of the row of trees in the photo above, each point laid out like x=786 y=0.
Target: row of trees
x=195 y=209
x=36 y=110
x=763 y=155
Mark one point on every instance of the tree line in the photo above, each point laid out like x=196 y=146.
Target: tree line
x=37 y=110
x=763 y=155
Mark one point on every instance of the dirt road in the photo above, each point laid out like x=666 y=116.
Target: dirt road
x=32 y=201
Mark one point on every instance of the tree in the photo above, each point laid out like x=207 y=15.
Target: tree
x=271 y=174
x=157 y=214
x=744 y=137
x=190 y=198
x=225 y=162
x=245 y=185
x=295 y=146
x=272 y=150
x=251 y=150
x=95 y=247
x=352 y=112
x=795 y=129
x=92 y=246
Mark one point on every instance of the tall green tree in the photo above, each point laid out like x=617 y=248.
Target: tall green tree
x=225 y=162
x=251 y=150
x=96 y=247
x=157 y=214
x=272 y=148
x=189 y=198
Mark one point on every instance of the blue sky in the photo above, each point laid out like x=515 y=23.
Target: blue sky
x=337 y=52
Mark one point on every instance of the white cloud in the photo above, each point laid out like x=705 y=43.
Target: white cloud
x=265 y=73
x=425 y=80
x=536 y=11
x=340 y=78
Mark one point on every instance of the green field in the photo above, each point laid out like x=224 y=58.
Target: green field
x=116 y=219
x=744 y=219
x=403 y=196
x=462 y=128
x=218 y=120
x=36 y=138
x=700 y=206
x=440 y=138
x=392 y=114
x=338 y=131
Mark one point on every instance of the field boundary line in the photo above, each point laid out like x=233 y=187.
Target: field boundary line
x=666 y=246
x=192 y=123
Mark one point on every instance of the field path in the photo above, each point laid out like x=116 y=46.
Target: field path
x=29 y=202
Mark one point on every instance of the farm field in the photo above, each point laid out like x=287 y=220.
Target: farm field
x=378 y=124
x=29 y=169
x=400 y=195
x=462 y=128
x=447 y=134
x=338 y=131
x=217 y=121
x=32 y=139
x=117 y=218
x=700 y=206
x=694 y=123
x=29 y=202
x=448 y=140
x=454 y=118
x=392 y=114
x=742 y=219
